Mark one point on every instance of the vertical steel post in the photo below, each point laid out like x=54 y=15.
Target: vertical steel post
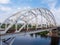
x=5 y=25
x=16 y=26
x=36 y=23
x=27 y=27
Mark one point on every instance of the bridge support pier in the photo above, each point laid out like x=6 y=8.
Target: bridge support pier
x=54 y=40
x=53 y=33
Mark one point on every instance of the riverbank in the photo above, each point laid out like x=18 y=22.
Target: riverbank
x=46 y=33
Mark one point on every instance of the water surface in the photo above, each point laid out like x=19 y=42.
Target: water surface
x=35 y=39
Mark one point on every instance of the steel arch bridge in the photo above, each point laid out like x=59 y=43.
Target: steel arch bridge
x=29 y=16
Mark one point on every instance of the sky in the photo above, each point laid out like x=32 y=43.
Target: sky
x=9 y=7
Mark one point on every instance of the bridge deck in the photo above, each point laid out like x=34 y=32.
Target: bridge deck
x=7 y=35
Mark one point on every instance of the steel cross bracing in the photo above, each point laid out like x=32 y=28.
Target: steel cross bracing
x=26 y=16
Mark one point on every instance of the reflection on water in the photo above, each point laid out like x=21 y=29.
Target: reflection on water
x=54 y=40
x=35 y=39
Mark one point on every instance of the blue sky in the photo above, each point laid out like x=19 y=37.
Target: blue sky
x=8 y=7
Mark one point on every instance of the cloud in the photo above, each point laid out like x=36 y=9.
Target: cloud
x=25 y=7
x=4 y=13
x=4 y=1
x=22 y=8
x=56 y=13
x=54 y=10
x=8 y=11
x=5 y=9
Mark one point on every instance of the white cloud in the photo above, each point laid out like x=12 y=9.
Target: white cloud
x=3 y=8
x=4 y=1
x=28 y=7
x=56 y=13
x=9 y=11
x=22 y=8
x=54 y=10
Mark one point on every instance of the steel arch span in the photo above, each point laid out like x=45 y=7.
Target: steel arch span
x=30 y=16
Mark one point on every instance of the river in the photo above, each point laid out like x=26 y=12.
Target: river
x=35 y=39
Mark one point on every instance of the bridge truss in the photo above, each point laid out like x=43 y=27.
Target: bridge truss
x=36 y=16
